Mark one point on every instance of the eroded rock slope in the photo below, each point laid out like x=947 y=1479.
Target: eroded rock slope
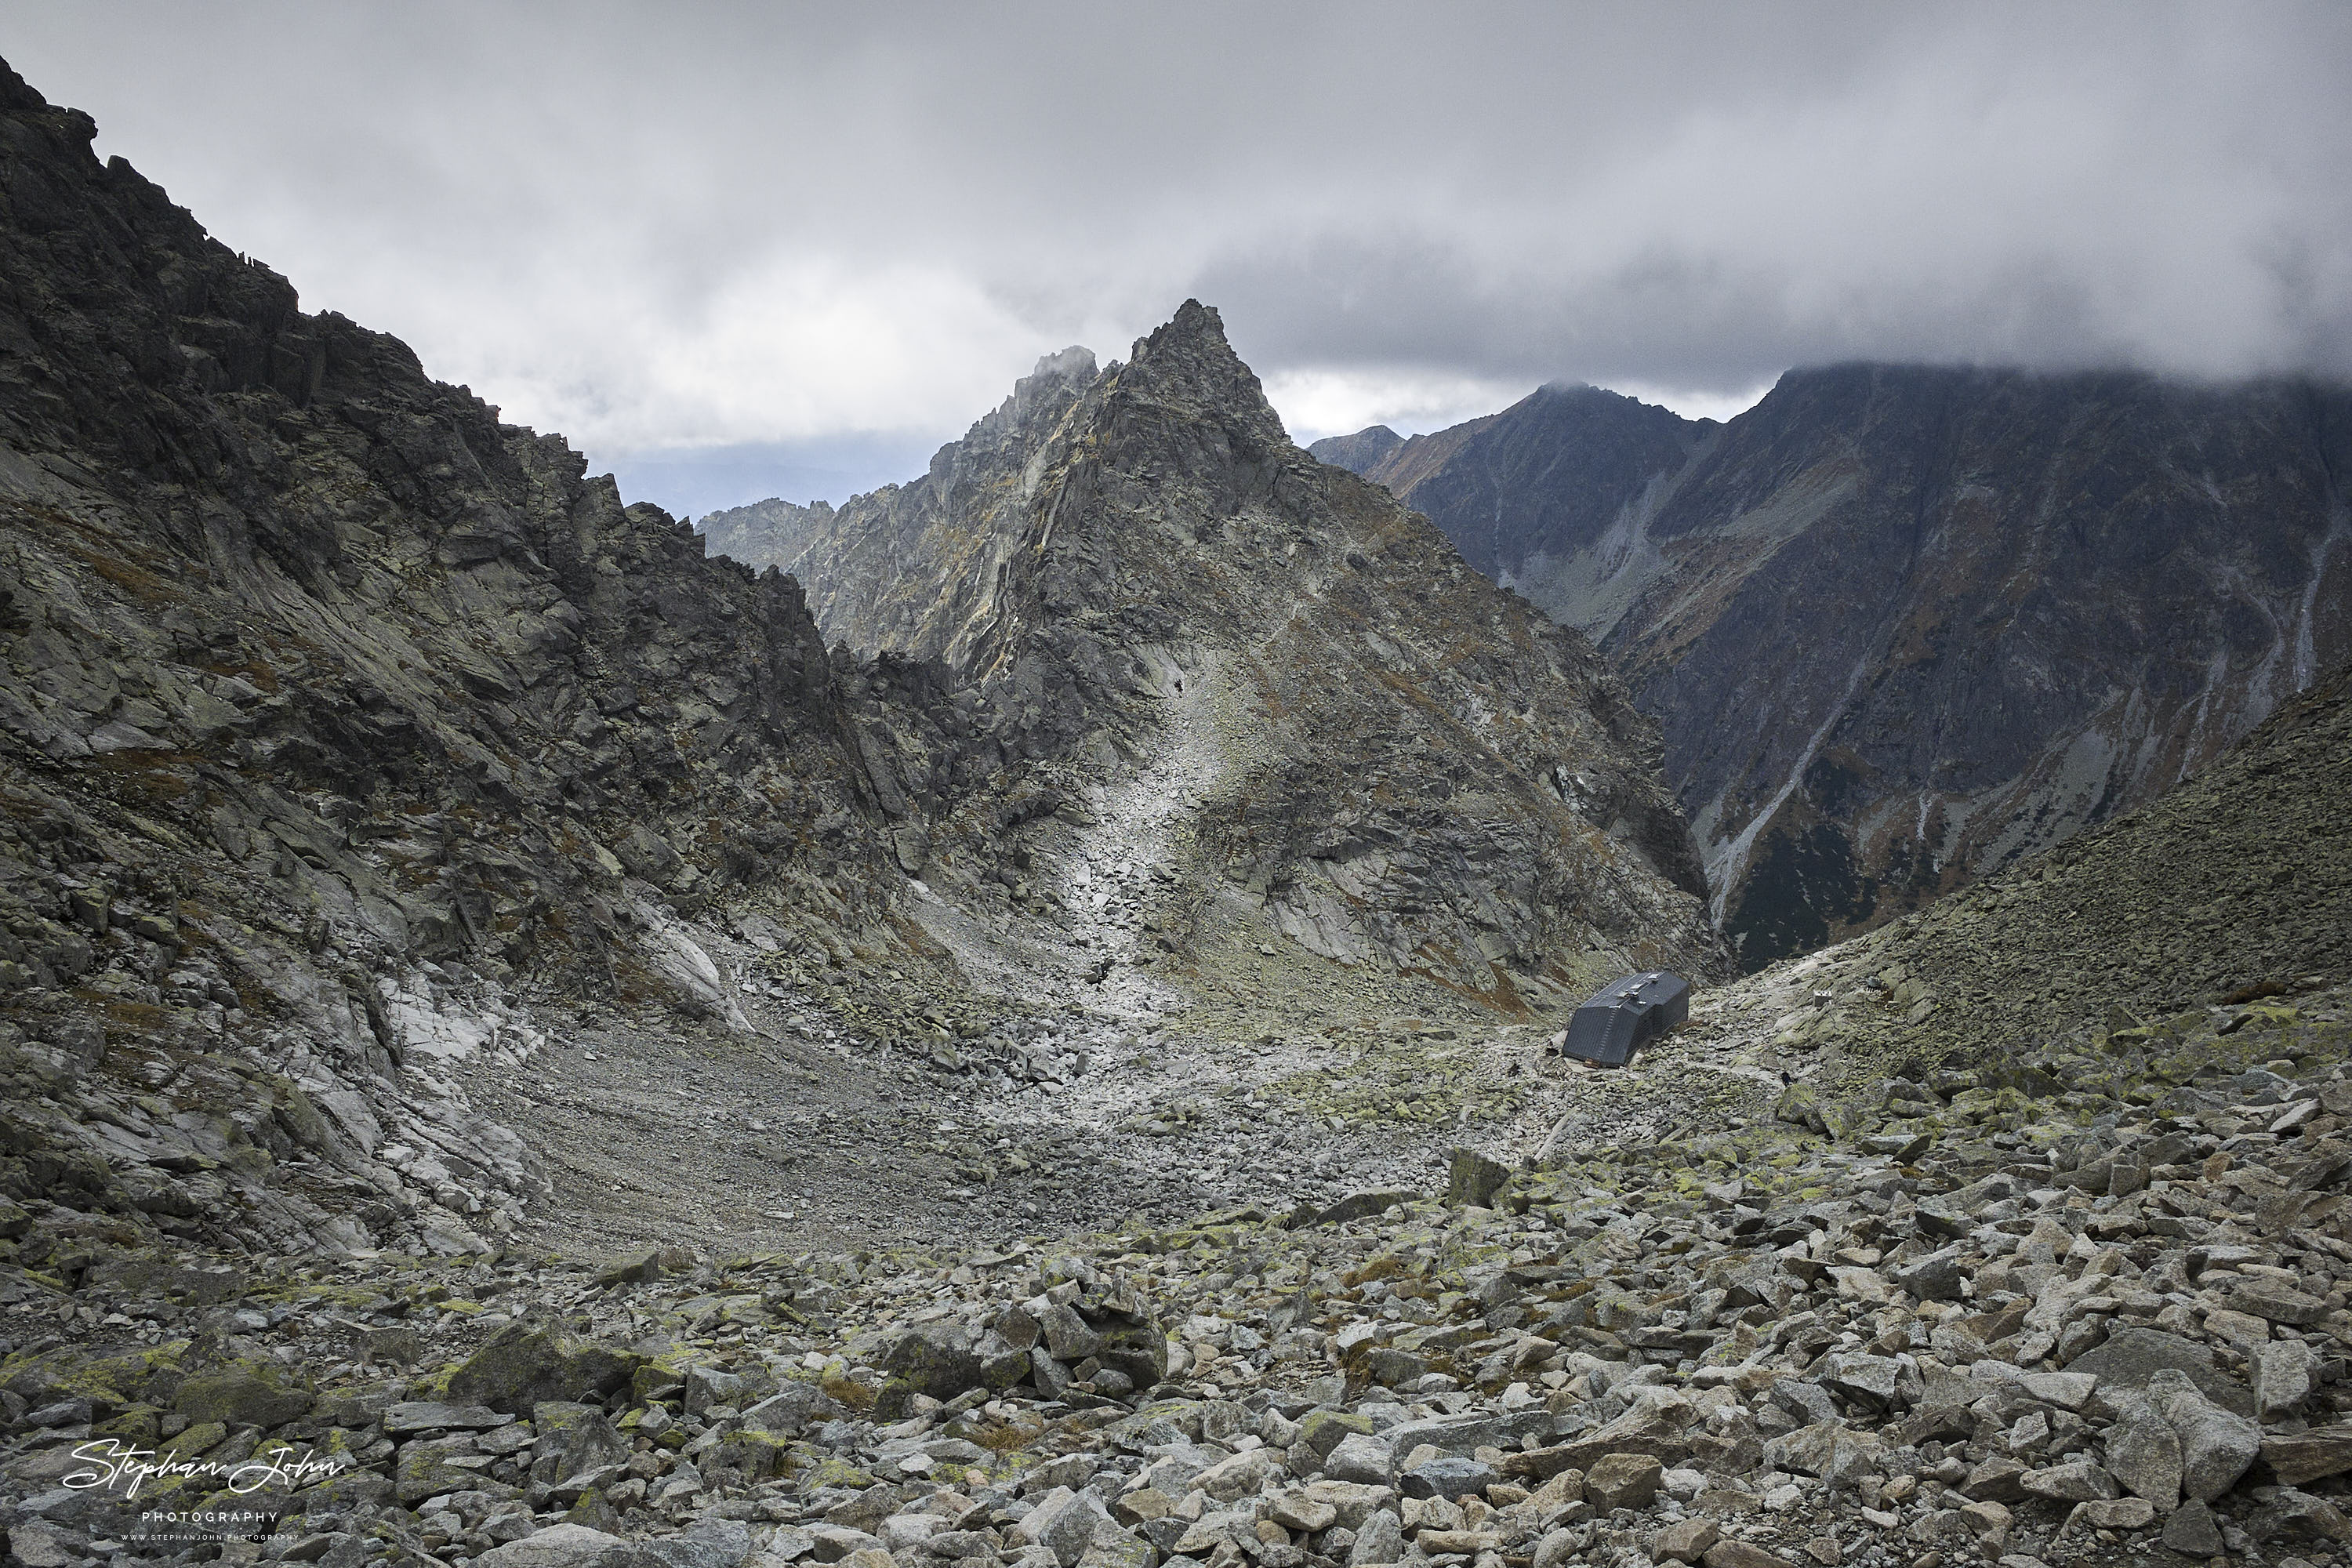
x=2062 y=1288
x=342 y=723
x=1174 y=613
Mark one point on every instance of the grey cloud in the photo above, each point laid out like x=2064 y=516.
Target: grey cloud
x=722 y=227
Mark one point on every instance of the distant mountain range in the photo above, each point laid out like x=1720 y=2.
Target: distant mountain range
x=1904 y=625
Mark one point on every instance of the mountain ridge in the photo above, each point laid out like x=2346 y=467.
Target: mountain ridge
x=1820 y=603
x=1110 y=542
x=342 y=720
x=367 y=766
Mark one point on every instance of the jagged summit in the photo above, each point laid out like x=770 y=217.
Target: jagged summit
x=1144 y=576
x=1036 y=396
x=1189 y=358
x=1075 y=362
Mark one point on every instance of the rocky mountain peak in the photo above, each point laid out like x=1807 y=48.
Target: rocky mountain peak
x=1162 y=599
x=1566 y=462
x=773 y=530
x=1189 y=362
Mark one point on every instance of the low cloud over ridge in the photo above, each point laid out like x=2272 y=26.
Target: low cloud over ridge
x=724 y=225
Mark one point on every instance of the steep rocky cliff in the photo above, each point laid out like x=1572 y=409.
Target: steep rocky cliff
x=340 y=722
x=1902 y=625
x=1171 y=609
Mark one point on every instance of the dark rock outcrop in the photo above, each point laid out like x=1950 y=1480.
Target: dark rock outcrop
x=338 y=718
x=1902 y=625
x=1394 y=762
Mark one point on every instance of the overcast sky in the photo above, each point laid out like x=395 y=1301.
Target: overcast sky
x=740 y=250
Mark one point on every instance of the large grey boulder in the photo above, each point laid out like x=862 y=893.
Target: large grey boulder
x=2193 y=1532
x=1474 y=1178
x=2144 y=1452
x=1362 y=1458
x=1623 y=1481
x=1654 y=1427
x=1245 y=1475
x=522 y=1364
x=567 y=1546
x=1556 y=1549
x=942 y=1360
x=1321 y=1431
x=1448 y=1476
x=709 y=1542
x=2217 y=1446
x=2309 y=1455
x=2285 y=1371
x=1064 y=1523
x=583 y=1453
x=786 y=1411
x=1806 y=1400
x=2128 y=1358
x=1873 y=1381
x=1836 y=1453
x=1378 y=1539
x=1934 y=1276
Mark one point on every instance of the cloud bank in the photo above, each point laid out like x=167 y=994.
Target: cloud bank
x=713 y=228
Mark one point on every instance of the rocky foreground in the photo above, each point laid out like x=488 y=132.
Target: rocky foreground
x=2091 y=1311
x=2016 y=1228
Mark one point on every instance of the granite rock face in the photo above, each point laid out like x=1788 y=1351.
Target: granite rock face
x=1154 y=590
x=336 y=717
x=1902 y=627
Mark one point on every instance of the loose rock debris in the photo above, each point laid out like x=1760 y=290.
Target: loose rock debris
x=2099 y=1315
